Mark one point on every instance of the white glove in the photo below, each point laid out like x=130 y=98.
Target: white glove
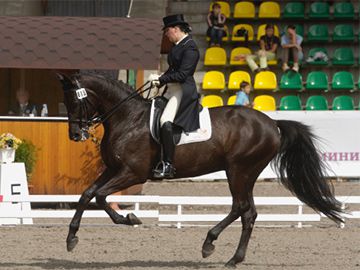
x=153 y=77
x=155 y=83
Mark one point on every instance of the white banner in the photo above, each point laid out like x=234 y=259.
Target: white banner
x=339 y=132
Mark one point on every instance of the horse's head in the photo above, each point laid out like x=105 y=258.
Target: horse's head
x=80 y=106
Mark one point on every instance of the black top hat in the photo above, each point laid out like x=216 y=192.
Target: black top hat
x=173 y=20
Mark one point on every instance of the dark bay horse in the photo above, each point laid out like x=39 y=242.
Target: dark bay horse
x=243 y=143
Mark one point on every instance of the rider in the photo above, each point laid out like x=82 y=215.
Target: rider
x=182 y=109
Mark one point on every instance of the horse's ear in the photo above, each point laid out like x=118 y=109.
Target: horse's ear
x=66 y=82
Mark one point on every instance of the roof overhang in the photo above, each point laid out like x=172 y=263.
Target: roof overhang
x=47 y=42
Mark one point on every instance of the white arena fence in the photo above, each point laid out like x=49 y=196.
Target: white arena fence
x=178 y=216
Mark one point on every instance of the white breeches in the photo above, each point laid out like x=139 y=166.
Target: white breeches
x=174 y=95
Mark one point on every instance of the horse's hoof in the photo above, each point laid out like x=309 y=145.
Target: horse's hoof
x=71 y=244
x=132 y=220
x=230 y=264
x=207 y=250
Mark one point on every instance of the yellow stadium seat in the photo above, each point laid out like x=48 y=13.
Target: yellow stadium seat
x=236 y=78
x=247 y=27
x=264 y=103
x=239 y=51
x=261 y=31
x=213 y=80
x=265 y=80
x=224 y=39
x=212 y=101
x=215 y=56
x=225 y=8
x=244 y=10
x=231 y=100
x=269 y=10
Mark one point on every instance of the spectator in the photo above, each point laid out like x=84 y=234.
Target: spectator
x=268 y=46
x=23 y=107
x=291 y=44
x=242 y=97
x=216 y=21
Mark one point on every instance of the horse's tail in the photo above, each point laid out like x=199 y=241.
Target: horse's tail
x=301 y=169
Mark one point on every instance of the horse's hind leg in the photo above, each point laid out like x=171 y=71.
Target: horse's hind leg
x=72 y=239
x=238 y=184
x=248 y=217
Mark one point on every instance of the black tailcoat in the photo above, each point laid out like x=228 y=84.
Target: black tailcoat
x=182 y=60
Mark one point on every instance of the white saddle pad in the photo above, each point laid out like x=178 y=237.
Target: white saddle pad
x=200 y=135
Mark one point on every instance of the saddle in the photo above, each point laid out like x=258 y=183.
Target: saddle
x=180 y=137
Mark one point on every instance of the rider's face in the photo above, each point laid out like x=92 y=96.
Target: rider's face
x=172 y=33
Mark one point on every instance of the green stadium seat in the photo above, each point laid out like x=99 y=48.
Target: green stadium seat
x=319 y=10
x=294 y=10
x=317 y=80
x=291 y=80
x=344 y=10
x=316 y=103
x=343 y=32
x=343 y=103
x=343 y=56
x=290 y=103
x=312 y=53
x=343 y=80
x=318 y=32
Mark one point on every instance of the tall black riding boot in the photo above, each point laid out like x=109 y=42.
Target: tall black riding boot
x=166 y=170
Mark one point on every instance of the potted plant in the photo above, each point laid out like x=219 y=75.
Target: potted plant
x=8 y=144
x=27 y=153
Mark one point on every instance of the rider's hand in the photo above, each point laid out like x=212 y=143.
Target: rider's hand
x=155 y=83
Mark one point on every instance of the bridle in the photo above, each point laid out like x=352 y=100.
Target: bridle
x=85 y=122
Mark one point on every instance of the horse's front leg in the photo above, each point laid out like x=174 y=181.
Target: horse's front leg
x=86 y=197
x=120 y=182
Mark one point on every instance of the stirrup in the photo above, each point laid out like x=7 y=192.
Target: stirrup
x=160 y=170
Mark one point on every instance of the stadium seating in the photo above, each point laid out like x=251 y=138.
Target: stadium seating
x=318 y=32
x=317 y=80
x=239 y=51
x=294 y=10
x=215 y=56
x=225 y=7
x=231 y=100
x=343 y=32
x=269 y=9
x=236 y=77
x=344 y=10
x=244 y=10
x=316 y=103
x=212 y=101
x=265 y=80
x=213 y=80
x=291 y=80
x=225 y=38
x=319 y=10
x=247 y=27
x=290 y=103
x=343 y=80
x=264 y=103
x=343 y=56
x=312 y=53
x=342 y=103
x=261 y=31
x=299 y=29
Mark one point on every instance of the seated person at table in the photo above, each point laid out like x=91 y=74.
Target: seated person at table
x=23 y=107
